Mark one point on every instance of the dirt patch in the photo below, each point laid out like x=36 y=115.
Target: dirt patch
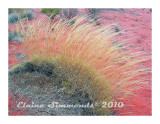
x=43 y=86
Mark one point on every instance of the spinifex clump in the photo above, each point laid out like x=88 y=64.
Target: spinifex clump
x=85 y=59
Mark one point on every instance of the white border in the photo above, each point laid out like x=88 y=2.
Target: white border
x=79 y=4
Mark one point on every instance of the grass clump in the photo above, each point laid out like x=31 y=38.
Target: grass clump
x=86 y=57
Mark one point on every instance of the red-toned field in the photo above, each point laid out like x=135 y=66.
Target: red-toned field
x=136 y=23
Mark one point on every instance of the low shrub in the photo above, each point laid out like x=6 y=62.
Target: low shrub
x=28 y=14
x=17 y=14
x=14 y=36
x=13 y=18
x=51 y=12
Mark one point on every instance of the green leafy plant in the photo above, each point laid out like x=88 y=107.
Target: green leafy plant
x=51 y=12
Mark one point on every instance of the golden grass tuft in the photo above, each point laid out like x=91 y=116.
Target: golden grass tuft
x=88 y=49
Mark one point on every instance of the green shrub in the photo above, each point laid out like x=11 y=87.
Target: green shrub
x=51 y=12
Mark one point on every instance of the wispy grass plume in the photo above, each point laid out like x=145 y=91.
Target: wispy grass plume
x=87 y=56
